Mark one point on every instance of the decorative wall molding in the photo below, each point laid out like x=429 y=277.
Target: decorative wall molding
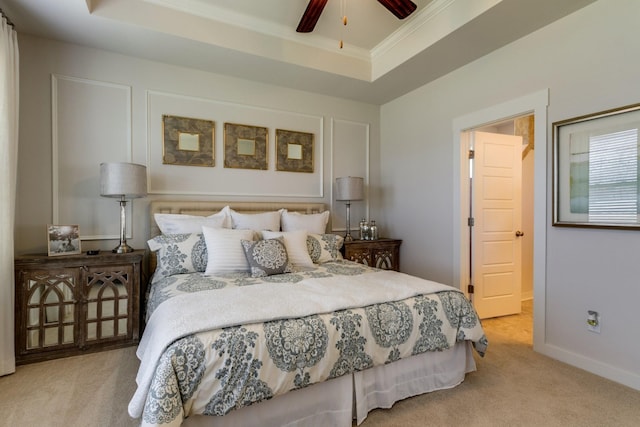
x=90 y=124
x=350 y=148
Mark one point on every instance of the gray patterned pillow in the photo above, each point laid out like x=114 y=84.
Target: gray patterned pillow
x=266 y=257
x=324 y=247
x=178 y=254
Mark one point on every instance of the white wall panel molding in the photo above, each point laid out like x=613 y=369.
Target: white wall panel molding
x=90 y=124
x=221 y=181
x=350 y=154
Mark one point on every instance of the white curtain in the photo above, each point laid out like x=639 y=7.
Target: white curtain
x=8 y=172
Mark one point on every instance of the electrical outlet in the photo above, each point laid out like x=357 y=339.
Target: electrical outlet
x=594 y=320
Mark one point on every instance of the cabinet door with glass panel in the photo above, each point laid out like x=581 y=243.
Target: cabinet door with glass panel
x=46 y=309
x=108 y=303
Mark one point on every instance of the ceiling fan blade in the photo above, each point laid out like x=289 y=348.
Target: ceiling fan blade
x=311 y=16
x=400 y=8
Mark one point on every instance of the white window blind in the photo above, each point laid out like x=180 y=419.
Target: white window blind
x=613 y=177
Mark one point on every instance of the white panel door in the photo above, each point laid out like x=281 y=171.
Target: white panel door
x=497 y=212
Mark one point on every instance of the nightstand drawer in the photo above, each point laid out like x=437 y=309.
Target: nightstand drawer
x=381 y=253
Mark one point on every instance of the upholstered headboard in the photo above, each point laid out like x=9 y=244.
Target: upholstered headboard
x=206 y=208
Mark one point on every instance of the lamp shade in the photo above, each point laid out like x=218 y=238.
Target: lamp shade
x=123 y=180
x=350 y=188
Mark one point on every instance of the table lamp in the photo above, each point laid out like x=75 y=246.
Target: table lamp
x=349 y=189
x=123 y=181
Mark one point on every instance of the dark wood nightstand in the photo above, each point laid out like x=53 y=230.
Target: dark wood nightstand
x=381 y=253
x=72 y=304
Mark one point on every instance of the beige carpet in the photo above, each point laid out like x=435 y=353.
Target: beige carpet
x=82 y=391
x=513 y=387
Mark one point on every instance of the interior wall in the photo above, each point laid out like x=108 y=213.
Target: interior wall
x=586 y=70
x=81 y=106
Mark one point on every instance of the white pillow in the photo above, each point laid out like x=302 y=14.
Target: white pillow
x=224 y=250
x=189 y=224
x=296 y=244
x=311 y=223
x=258 y=221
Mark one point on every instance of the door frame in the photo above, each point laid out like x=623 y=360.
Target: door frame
x=535 y=103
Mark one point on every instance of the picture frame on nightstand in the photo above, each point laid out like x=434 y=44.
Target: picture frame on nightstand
x=63 y=240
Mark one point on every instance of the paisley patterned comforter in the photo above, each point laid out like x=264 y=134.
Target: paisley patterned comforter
x=377 y=317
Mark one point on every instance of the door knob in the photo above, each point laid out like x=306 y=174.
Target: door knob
x=519 y=233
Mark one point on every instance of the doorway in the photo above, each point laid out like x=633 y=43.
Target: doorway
x=534 y=103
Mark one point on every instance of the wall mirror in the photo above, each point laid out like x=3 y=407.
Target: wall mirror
x=596 y=173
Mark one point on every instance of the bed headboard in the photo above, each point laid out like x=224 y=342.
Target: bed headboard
x=206 y=208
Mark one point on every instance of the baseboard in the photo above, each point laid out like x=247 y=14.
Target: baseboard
x=629 y=379
x=526 y=296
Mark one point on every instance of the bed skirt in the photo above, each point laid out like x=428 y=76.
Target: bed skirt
x=339 y=401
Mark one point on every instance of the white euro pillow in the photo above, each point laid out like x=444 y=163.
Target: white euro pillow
x=224 y=250
x=257 y=221
x=311 y=223
x=296 y=244
x=188 y=224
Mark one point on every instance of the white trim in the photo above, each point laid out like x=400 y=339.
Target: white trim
x=537 y=103
x=55 y=146
x=630 y=379
x=262 y=26
x=367 y=164
x=54 y=149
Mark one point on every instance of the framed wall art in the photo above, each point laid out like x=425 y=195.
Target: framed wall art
x=63 y=240
x=187 y=141
x=294 y=151
x=245 y=147
x=596 y=173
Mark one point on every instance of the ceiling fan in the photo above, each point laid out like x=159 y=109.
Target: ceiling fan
x=400 y=8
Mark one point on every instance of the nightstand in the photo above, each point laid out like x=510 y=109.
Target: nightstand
x=381 y=253
x=73 y=304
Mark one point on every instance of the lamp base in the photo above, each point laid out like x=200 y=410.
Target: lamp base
x=347 y=236
x=122 y=248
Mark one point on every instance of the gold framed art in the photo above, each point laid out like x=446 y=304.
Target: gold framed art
x=187 y=141
x=294 y=151
x=245 y=147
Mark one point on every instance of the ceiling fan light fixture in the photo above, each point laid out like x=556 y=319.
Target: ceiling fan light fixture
x=400 y=8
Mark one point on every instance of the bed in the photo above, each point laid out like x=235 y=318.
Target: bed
x=294 y=336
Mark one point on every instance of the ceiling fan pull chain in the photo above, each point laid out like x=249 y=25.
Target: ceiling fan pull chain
x=343 y=13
